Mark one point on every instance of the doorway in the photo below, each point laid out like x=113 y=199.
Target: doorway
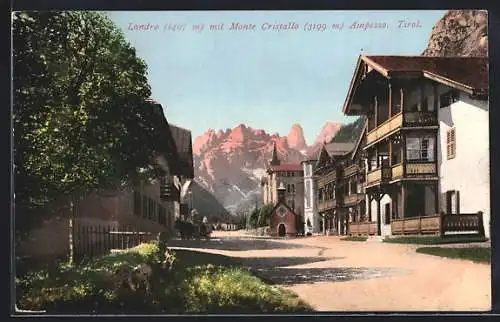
x=281 y=230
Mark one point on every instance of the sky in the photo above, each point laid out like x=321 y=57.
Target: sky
x=263 y=77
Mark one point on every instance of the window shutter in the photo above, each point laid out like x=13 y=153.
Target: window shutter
x=457 y=196
x=450 y=143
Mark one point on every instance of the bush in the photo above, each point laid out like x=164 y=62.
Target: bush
x=88 y=287
x=189 y=287
x=213 y=289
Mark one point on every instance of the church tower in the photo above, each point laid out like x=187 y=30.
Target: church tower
x=275 y=160
x=311 y=216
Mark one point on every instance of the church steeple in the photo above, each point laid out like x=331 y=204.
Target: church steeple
x=275 y=160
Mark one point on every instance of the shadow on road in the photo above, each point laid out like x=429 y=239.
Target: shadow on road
x=234 y=244
x=188 y=257
x=274 y=270
x=291 y=276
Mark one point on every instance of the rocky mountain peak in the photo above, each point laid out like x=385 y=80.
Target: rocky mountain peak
x=459 y=33
x=295 y=138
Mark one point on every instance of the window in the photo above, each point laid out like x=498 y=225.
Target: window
x=293 y=188
x=288 y=188
x=420 y=148
x=137 y=203
x=451 y=144
x=448 y=98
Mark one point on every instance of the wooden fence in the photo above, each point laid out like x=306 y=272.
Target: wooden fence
x=462 y=223
x=416 y=225
x=362 y=228
x=91 y=241
x=444 y=225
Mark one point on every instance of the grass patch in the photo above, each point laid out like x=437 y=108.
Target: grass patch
x=197 y=282
x=475 y=254
x=355 y=238
x=435 y=240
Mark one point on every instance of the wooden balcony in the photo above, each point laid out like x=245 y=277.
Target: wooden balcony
x=350 y=170
x=397 y=171
x=413 y=169
x=353 y=199
x=326 y=205
x=379 y=175
x=385 y=128
x=407 y=119
x=420 y=118
x=326 y=179
x=362 y=228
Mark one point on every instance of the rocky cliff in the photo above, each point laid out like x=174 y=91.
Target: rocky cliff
x=230 y=163
x=459 y=33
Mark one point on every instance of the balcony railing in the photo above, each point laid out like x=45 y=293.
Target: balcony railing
x=385 y=128
x=350 y=170
x=410 y=119
x=327 y=204
x=420 y=168
x=353 y=199
x=381 y=174
x=420 y=118
x=397 y=171
x=324 y=180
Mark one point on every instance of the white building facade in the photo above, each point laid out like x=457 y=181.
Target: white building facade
x=311 y=216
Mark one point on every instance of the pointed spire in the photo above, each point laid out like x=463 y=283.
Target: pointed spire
x=275 y=160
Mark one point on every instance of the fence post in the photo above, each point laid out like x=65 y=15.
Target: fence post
x=441 y=224
x=481 y=224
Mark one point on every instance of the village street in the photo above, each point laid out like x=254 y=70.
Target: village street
x=335 y=275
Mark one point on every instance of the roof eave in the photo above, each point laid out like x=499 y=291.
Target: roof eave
x=448 y=82
x=347 y=101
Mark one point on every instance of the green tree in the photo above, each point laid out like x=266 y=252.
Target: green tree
x=265 y=214
x=82 y=120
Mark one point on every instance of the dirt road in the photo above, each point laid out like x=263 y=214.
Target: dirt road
x=335 y=275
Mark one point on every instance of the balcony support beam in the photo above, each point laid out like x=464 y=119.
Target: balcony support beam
x=390 y=99
x=403 y=199
x=390 y=152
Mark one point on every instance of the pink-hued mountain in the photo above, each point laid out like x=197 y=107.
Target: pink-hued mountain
x=230 y=163
x=326 y=134
x=296 y=139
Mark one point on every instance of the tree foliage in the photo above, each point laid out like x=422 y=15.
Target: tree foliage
x=265 y=214
x=82 y=119
x=349 y=132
